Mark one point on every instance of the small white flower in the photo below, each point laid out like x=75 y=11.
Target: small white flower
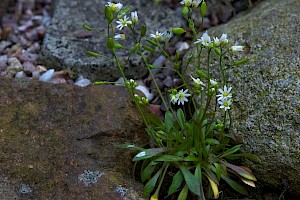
x=195 y=3
x=186 y=2
x=123 y=22
x=224 y=39
x=119 y=37
x=225 y=93
x=216 y=41
x=182 y=96
x=134 y=17
x=225 y=103
x=204 y=40
x=157 y=35
x=197 y=81
x=237 y=48
x=213 y=82
x=141 y=154
x=115 y=7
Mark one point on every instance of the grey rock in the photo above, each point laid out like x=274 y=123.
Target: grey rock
x=64 y=47
x=3 y=7
x=267 y=91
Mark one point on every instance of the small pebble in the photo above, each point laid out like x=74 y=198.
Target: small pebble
x=21 y=74
x=47 y=76
x=82 y=82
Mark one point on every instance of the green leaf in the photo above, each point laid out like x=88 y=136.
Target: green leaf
x=148 y=153
x=91 y=53
x=249 y=156
x=211 y=141
x=125 y=10
x=150 y=185
x=231 y=151
x=118 y=45
x=176 y=183
x=169 y=122
x=151 y=42
x=178 y=31
x=86 y=27
x=190 y=58
x=184 y=193
x=218 y=51
x=180 y=117
x=130 y=146
x=218 y=170
x=201 y=74
x=143 y=30
x=168 y=158
x=240 y=62
x=150 y=49
x=146 y=173
x=236 y=186
x=191 y=181
x=241 y=171
x=153 y=66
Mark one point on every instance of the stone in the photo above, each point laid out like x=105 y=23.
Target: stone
x=267 y=90
x=47 y=76
x=60 y=141
x=14 y=66
x=62 y=48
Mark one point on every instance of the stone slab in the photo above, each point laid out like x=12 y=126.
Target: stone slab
x=65 y=46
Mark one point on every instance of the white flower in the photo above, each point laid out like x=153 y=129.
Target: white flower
x=217 y=41
x=115 y=7
x=205 y=40
x=119 y=37
x=181 y=96
x=130 y=146
x=223 y=39
x=186 y=2
x=197 y=81
x=196 y=3
x=134 y=17
x=225 y=93
x=237 y=48
x=157 y=35
x=213 y=82
x=123 y=22
x=225 y=103
x=141 y=154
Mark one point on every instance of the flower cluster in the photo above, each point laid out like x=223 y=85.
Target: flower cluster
x=179 y=97
x=225 y=98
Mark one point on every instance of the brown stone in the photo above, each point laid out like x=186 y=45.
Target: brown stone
x=62 y=130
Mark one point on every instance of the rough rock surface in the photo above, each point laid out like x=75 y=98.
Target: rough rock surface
x=3 y=7
x=66 y=42
x=267 y=90
x=50 y=134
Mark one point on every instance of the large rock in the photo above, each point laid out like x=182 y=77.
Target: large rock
x=66 y=42
x=50 y=134
x=267 y=90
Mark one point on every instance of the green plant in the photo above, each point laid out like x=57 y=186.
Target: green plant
x=192 y=140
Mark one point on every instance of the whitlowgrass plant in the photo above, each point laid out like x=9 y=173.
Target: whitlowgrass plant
x=190 y=145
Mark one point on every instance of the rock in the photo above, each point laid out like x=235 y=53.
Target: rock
x=82 y=82
x=3 y=62
x=14 y=66
x=21 y=74
x=47 y=76
x=62 y=48
x=59 y=141
x=267 y=90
